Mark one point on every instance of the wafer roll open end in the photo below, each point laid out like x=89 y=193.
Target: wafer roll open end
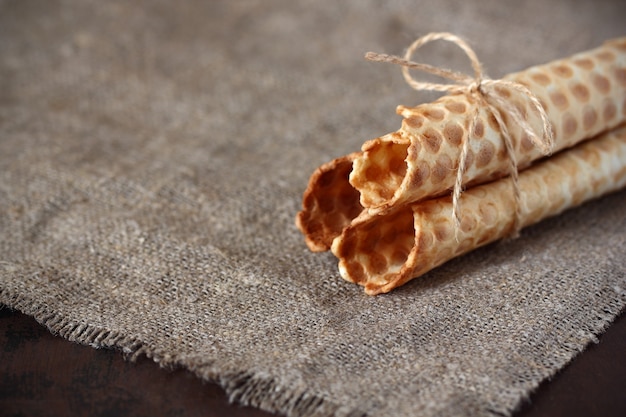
x=381 y=168
x=380 y=252
x=329 y=203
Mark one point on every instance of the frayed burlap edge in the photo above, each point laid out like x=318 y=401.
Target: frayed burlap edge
x=264 y=392
x=242 y=387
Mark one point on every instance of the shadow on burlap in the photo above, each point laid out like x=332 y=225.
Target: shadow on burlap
x=152 y=159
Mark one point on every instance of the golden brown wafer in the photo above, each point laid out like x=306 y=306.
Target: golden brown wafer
x=384 y=252
x=329 y=203
x=583 y=95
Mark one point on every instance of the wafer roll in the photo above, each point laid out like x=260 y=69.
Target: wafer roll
x=583 y=95
x=383 y=252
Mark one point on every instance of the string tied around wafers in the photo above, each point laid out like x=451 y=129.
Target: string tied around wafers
x=487 y=92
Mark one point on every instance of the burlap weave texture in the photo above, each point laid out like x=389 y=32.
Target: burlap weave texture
x=153 y=157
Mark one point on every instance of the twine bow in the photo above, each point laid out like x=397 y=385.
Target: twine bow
x=485 y=91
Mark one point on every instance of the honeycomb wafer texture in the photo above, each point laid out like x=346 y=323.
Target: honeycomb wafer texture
x=583 y=95
x=383 y=252
x=329 y=203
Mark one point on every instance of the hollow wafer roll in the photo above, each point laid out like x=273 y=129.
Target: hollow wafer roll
x=383 y=252
x=583 y=95
x=329 y=203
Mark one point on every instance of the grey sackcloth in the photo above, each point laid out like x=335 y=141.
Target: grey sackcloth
x=153 y=155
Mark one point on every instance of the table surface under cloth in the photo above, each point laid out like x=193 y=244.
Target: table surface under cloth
x=153 y=156
x=74 y=380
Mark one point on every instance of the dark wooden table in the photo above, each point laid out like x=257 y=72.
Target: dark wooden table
x=41 y=375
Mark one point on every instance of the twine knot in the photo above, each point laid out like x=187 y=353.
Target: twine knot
x=486 y=92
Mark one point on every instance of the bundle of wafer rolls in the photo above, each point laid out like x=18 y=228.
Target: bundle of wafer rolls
x=388 y=213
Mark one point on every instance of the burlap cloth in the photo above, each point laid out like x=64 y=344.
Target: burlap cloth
x=153 y=157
